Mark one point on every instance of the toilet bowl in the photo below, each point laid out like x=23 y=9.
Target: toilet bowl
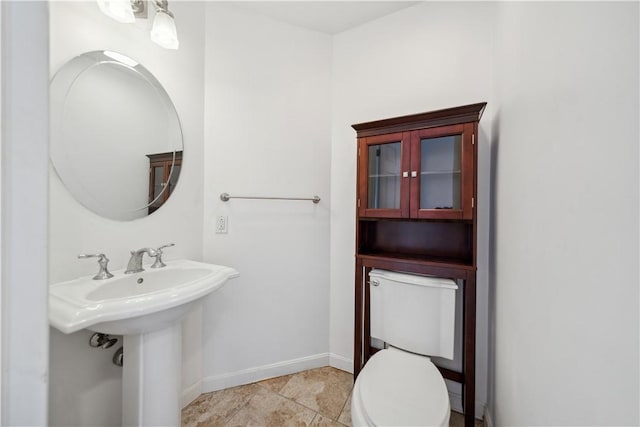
x=397 y=388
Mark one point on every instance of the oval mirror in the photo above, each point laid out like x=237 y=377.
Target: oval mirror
x=116 y=140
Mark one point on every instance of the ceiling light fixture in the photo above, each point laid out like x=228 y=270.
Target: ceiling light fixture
x=163 y=31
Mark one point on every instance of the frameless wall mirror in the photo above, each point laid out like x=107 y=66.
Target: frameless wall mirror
x=116 y=140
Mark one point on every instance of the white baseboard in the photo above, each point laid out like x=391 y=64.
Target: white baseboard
x=456 y=405
x=341 y=362
x=259 y=373
x=191 y=393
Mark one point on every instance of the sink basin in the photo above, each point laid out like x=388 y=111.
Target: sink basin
x=134 y=303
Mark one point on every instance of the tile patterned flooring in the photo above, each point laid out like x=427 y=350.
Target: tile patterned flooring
x=318 y=397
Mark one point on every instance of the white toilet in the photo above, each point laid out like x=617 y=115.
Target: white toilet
x=400 y=386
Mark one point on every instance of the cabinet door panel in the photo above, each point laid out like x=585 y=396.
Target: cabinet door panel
x=383 y=188
x=440 y=169
x=442 y=172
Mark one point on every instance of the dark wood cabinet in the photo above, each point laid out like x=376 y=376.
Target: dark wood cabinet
x=421 y=173
x=164 y=170
x=416 y=213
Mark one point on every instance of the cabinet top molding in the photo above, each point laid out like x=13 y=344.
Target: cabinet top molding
x=447 y=116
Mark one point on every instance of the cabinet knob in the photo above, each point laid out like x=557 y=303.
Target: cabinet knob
x=405 y=174
x=414 y=174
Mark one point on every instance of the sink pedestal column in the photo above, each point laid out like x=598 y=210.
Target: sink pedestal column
x=151 y=378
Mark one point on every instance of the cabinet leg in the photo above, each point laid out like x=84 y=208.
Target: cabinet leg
x=469 y=388
x=366 y=330
x=357 y=337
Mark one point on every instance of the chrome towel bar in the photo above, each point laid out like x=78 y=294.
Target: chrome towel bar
x=225 y=198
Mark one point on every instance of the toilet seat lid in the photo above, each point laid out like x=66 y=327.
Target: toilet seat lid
x=400 y=388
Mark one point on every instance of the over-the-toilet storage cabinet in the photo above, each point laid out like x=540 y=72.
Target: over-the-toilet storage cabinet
x=416 y=213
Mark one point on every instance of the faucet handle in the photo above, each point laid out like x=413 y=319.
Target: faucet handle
x=103 y=261
x=158 y=263
x=168 y=245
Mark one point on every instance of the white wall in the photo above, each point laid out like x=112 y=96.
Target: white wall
x=25 y=332
x=267 y=127
x=85 y=386
x=566 y=214
x=430 y=56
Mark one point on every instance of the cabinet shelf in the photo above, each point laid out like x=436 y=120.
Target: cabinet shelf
x=449 y=242
x=439 y=261
x=388 y=175
x=457 y=172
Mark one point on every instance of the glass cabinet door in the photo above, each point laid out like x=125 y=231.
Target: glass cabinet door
x=425 y=173
x=384 y=176
x=440 y=172
x=442 y=159
x=384 y=192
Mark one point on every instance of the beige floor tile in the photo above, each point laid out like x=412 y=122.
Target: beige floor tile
x=320 y=421
x=457 y=420
x=213 y=409
x=345 y=415
x=269 y=409
x=196 y=410
x=325 y=390
x=275 y=384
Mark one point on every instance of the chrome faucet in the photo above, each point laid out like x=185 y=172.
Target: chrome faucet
x=158 y=255
x=135 y=262
x=103 y=261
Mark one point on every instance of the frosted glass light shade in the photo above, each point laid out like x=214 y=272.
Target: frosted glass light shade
x=120 y=10
x=164 y=30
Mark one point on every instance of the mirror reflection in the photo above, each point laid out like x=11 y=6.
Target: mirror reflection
x=116 y=141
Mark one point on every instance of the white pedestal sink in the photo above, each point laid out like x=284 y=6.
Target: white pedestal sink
x=145 y=308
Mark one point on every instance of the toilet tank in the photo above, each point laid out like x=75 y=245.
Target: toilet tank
x=413 y=312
